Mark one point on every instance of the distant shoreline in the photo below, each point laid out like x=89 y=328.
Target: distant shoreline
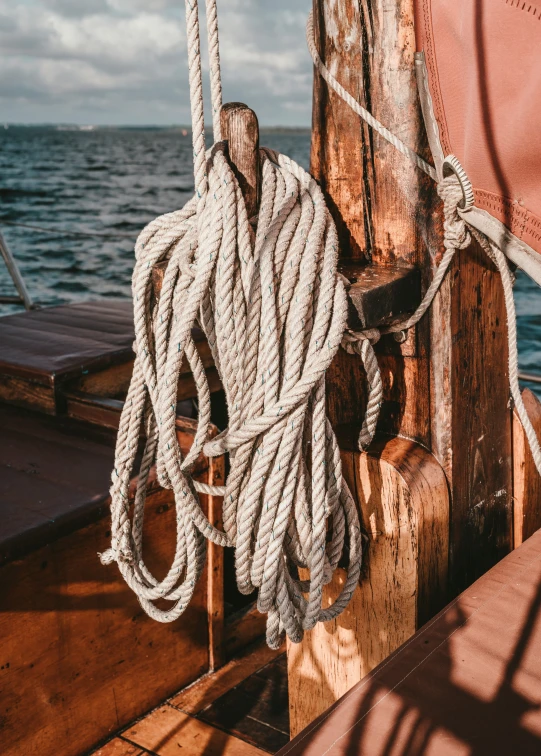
x=174 y=128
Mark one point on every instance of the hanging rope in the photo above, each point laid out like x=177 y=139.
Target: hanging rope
x=456 y=193
x=274 y=312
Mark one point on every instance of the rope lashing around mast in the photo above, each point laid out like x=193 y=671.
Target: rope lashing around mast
x=456 y=192
x=273 y=310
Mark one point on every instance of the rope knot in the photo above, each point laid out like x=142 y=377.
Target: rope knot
x=352 y=340
x=455 y=231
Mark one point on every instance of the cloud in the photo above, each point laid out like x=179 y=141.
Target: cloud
x=124 y=61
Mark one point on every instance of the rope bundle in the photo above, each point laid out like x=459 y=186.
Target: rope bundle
x=274 y=312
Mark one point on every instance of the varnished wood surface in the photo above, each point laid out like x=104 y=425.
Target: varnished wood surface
x=55 y=476
x=102 y=652
x=169 y=732
x=66 y=340
x=41 y=349
x=526 y=480
x=467 y=683
x=80 y=659
x=403 y=498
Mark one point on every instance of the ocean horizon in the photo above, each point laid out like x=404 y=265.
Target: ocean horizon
x=73 y=198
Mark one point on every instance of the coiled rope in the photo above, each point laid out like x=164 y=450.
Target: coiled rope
x=274 y=312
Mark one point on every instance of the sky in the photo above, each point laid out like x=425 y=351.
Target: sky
x=124 y=61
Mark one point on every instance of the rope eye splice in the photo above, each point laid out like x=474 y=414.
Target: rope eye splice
x=273 y=310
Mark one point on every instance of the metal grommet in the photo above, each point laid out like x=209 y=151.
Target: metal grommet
x=451 y=164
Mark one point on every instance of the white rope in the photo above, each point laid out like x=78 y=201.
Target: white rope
x=357 y=107
x=456 y=192
x=273 y=311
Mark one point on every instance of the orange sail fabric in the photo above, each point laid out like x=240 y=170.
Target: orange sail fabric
x=483 y=63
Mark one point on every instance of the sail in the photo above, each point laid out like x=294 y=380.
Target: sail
x=483 y=68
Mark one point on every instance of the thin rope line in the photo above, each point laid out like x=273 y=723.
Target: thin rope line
x=358 y=108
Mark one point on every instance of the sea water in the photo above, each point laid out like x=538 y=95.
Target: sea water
x=88 y=182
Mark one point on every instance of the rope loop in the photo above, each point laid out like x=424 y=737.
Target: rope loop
x=455 y=230
x=267 y=295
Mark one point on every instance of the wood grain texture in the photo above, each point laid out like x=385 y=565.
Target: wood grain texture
x=209 y=688
x=119 y=747
x=478 y=446
x=55 y=475
x=79 y=656
x=50 y=346
x=26 y=393
x=215 y=568
x=526 y=480
x=168 y=732
x=403 y=498
x=382 y=205
x=380 y=294
x=446 y=386
x=240 y=129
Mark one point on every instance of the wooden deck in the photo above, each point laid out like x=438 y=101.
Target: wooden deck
x=240 y=710
x=79 y=659
x=42 y=349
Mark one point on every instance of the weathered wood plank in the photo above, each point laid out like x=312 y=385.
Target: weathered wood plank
x=380 y=294
x=526 y=480
x=478 y=448
x=240 y=129
x=168 y=732
x=403 y=497
x=383 y=207
x=381 y=204
x=446 y=385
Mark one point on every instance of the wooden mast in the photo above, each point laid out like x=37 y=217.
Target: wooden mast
x=446 y=384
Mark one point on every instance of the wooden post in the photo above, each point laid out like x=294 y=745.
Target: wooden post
x=445 y=386
x=241 y=131
x=526 y=480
